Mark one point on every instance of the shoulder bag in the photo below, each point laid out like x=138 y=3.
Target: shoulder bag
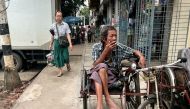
x=63 y=41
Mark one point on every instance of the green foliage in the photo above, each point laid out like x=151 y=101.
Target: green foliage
x=70 y=7
x=85 y=12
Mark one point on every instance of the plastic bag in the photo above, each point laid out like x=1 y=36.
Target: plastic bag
x=50 y=57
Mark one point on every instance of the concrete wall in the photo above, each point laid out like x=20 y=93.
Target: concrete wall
x=179 y=28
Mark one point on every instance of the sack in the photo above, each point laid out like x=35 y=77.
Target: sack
x=63 y=41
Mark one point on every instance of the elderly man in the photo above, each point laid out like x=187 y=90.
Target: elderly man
x=106 y=55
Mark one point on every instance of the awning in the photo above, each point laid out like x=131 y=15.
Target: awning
x=71 y=19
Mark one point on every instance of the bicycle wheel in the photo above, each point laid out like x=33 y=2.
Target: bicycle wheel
x=148 y=104
x=123 y=98
x=126 y=104
x=83 y=89
x=151 y=104
x=137 y=89
x=164 y=87
x=133 y=101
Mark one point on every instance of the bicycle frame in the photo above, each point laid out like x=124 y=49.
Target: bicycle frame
x=170 y=74
x=168 y=68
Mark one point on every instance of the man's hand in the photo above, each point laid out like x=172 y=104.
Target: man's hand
x=110 y=46
x=142 y=62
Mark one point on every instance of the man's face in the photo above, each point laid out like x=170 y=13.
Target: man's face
x=58 y=17
x=112 y=36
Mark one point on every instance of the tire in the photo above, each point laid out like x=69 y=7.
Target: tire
x=151 y=104
x=85 y=105
x=146 y=103
x=132 y=102
x=137 y=88
x=83 y=86
x=17 y=61
x=165 y=93
x=123 y=99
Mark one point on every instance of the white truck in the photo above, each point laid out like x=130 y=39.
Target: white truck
x=29 y=22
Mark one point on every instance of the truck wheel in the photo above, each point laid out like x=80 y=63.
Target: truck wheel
x=17 y=61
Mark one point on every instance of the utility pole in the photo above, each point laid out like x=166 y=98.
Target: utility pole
x=11 y=77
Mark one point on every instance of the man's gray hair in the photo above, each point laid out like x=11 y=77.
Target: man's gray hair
x=104 y=31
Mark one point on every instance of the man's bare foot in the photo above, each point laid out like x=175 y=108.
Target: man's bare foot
x=111 y=104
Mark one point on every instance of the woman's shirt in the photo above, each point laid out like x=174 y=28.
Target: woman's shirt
x=63 y=29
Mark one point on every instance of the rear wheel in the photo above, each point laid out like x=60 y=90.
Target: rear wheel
x=17 y=61
x=165 y=90
x=83 y=89
x=133 y=101
x=137 y=89
x=148 y=104
x=123 y=99
x=151 y=104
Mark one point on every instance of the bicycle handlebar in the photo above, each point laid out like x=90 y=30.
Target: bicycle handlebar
x=183 y=60
x=180 y=60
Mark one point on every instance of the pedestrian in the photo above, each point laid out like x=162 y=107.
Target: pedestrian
x=89 y=34
x=107 y=54
x=61 y=54
x=77 y=35
x=92 y=30
x=82 y=34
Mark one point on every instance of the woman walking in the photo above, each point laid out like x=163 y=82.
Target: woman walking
x=61 y=54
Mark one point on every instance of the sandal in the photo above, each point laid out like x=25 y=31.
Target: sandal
x=68 y=67
x=60 y=74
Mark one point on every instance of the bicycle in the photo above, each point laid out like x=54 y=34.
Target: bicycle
x=162 y=95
